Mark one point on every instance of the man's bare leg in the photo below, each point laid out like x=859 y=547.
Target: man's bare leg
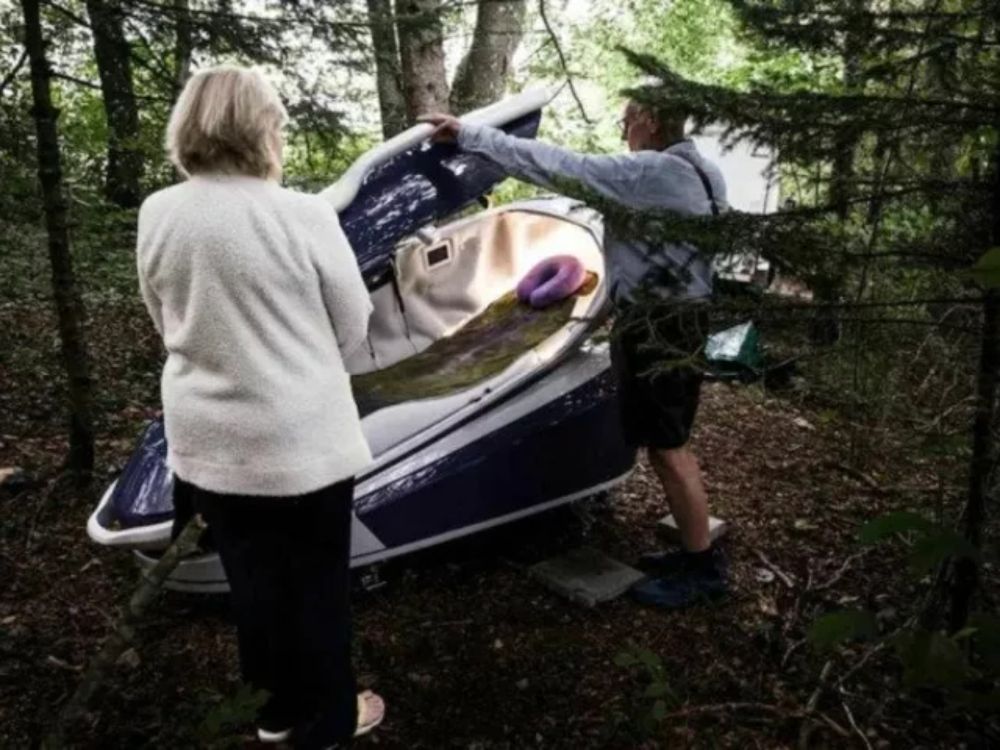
x=680 y=475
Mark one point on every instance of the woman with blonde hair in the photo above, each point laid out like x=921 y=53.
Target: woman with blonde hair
x=258 y=298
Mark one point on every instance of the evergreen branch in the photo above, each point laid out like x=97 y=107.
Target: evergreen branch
x=763 y=13
x=827 y=37
x=783 y=305
x=875 y=221
x=804 y=126
x=159 y=71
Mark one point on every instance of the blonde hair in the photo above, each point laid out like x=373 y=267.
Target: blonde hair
x=227 y=119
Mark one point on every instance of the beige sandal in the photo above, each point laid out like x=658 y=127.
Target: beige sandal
x=371 y=712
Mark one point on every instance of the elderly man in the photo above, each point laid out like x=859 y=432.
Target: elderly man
x=660 y=293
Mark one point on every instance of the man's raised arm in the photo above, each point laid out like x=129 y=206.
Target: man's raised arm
x=613 y=176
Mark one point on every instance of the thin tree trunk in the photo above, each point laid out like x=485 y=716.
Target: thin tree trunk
x=966 y=576
x=825 y=329
x=69 y=306
x=421 y=48
x=388 y=75
x=966 y=572
x=111 y=50
x=482 y=75
x=183 y=45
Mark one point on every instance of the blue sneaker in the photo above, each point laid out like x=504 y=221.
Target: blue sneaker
x=682 y=563
x=663 y=562
x=680 y=592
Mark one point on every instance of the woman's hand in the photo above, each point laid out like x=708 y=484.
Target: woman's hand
x=446 y=127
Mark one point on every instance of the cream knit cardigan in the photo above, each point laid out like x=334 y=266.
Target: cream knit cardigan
x=259 y=299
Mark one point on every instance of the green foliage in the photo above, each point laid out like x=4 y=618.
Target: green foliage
x=890 y=524
x=658 y=695
x=835 y=628
x=986 y=639
x=937 y=547
x=986 y=272
x=931 y=659
x=964 y=665
x=932 y=546
x=227 y=714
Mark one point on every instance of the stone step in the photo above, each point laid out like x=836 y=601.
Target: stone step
x=586 y=576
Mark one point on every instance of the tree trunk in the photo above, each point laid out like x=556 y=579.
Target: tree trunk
x=966 y=577
x=966 y=571
x=482 y=75
x=183 y=45
x=111 y=50
x=421 y=47
x=825 y=329
x=846 y=143
x=388 y=75
x=69 y=306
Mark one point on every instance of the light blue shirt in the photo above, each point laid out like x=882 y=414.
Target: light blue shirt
x=662 y=180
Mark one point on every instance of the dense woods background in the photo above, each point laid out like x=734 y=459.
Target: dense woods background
x=860 y=479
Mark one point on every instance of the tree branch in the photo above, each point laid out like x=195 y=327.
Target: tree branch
x=562 y=61
x=12 y=73
x=97 y=87
x=123 y=635
x=78 y=20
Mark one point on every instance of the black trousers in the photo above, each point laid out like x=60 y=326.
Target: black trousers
x=287 y=561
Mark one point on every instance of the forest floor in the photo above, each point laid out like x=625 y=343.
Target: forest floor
x=468 y=650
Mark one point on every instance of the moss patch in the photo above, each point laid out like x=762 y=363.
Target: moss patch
x=482 y=348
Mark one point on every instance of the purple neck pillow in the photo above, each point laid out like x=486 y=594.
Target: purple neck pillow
x=552 y=280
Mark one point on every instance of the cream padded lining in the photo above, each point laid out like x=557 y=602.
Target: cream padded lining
x=489 y=254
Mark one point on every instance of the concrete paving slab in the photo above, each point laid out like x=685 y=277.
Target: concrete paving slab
x=586 y=576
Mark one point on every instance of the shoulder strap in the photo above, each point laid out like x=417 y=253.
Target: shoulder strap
x=704 y=181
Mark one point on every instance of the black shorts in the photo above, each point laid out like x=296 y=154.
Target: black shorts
x=658 y=358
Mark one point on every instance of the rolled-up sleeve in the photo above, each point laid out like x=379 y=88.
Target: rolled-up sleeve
x=344 y=293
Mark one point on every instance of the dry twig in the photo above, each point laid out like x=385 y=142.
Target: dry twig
x=562 y=61
x=805 y=732
x=785 y=578
x=854 y=724
x=836 y=577
x=124 y=632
